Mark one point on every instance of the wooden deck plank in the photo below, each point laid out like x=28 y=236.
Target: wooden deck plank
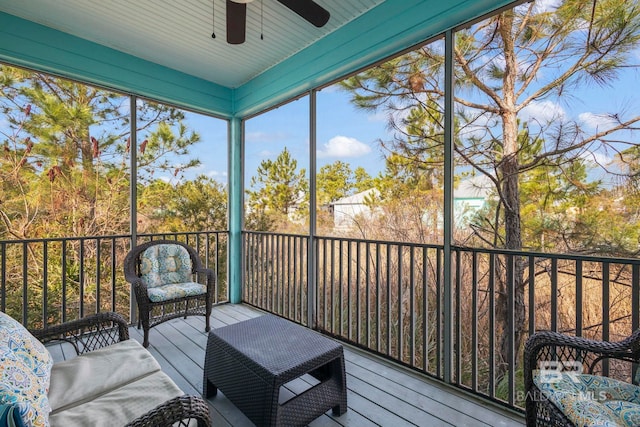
x=444 y=399
x=380 y=393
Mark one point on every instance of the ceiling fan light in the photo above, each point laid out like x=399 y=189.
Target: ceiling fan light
x=242 y=1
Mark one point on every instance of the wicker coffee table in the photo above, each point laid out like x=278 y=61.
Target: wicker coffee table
x=249 y=362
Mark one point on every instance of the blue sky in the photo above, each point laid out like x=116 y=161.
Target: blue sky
x=343 y=133
x=350 y=135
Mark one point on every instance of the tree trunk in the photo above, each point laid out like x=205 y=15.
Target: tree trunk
x=509 y=171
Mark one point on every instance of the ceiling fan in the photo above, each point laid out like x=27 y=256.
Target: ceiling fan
x=237 y=16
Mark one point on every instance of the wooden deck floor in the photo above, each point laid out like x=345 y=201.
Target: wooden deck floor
x=379 y=392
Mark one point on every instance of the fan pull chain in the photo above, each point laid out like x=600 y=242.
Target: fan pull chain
x=261 y=19
x=213 y=19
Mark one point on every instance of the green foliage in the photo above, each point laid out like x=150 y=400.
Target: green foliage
x=544 y=54
x=65 y=159
x=362 y=180
x=196 y=205
x=65 y=172
x=504 y=66
x=334 y=181
x=278 y=189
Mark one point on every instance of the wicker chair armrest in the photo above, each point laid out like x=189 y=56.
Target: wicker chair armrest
x=547 y=342
x=139 y=288
x=207 y=272
x=132 y=278
x=547 y=339
x=182 y=410
x=89 y=333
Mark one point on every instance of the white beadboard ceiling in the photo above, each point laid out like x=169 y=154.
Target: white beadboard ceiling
x=177 y=33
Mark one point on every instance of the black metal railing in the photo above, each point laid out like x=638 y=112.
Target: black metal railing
x=50 y=281
x=388 y=297
x=275 y=273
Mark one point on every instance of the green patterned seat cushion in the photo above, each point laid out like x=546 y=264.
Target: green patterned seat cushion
x=175 y=290
x=25 y=372
x=591 y=400
x=165 y=264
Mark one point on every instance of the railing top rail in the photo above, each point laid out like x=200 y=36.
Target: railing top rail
x=385 y=242
x=271 y=233
x=550 y=255
x=105 y=237
x=350 y=239
x=497 y=251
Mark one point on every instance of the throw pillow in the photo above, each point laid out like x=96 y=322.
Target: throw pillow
x=25 y=372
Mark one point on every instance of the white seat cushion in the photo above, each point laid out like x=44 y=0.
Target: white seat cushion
x=91 y=375
x=121 y=405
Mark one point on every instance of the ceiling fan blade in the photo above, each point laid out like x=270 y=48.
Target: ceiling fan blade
x=236 y=22
x=309 y=10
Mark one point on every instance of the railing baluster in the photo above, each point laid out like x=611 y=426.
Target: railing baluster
x=378 y=267
x=412 y=307
x=113 y=274
x=492 y=325
x=458 y=316
x=357 y=290
x=64 y=281
x=511 y=291
x=400 y=332
x=606 y=306
x=81 y=289
x=349 y=318
x=45 y=283
x=554 y=294
x=3 y=277
x=340 y=293
x=439 y=325
x=579 y=300
x=389 y=302
x=474 y=323
x=367 y=318
x=635 y=311
x=25 y=281
x=332 y=279
x=425 y=310
x=324 y=284
x=98 y=271
x=295 y=281
x=532 y=295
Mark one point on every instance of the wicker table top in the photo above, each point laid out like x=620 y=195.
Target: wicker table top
x=277 y=345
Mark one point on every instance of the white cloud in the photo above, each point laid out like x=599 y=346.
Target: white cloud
x=344 y=146
x=597 y=121
x=378 y=116
x=594 y=158
x=265 y=136
x=542 y=112
x=216 y=174
x=546 y=5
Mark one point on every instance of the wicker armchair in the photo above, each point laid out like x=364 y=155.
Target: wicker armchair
x=162 y=275
x=592 y=398
x=104 y=329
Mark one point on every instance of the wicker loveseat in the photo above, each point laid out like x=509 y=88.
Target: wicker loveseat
x=565 y=385
x=113 y=381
